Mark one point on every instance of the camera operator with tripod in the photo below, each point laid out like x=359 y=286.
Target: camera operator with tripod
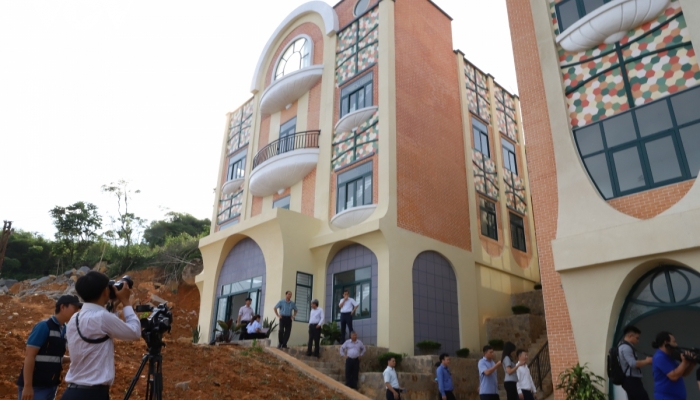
x=90 y=335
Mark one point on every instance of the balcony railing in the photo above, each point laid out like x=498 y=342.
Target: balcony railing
x=539 y=366
x=296 y=141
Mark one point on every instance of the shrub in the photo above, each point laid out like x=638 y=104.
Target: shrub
x=384 y=359
x=580 y=383
x=428 y=345
x=520 y=309
x=270 y=325
x=195 y=335
x=538 y=286
x=497 y=344
x=330 y=332
x=463 y=353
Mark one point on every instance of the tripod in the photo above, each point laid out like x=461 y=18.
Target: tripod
x=154 y=381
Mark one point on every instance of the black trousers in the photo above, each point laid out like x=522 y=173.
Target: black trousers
x=244 y=331
x=489 y=397
x=527 y=395
x=511 y=390
x=315 y=339
x=390 y=395
x=448 y=394
x=352 y=372
x=285 y=330
x=634 y=388
x=256 y=335
x=345 y=321
x=98 y=393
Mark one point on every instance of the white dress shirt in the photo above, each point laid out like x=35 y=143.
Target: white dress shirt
x=92 y=364
x=349 y=305
x=390 y=377
x=316 y=317
x=253 y=327
x=525 y=380
x=352 y=349
x=246 y=313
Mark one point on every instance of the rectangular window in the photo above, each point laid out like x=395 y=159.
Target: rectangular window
x=481 y=137
x=358 y=283
x=286 y=140
x=509 y=160
x=236 y=169
x=357 y=95
x=354 y=187
x=281 y=203
x=517 y=232
x=302 y=296
x=489 y=223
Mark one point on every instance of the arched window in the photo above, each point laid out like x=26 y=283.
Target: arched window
x=296 y=57
x=361 y=7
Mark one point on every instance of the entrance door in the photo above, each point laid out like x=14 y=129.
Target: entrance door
x=287 y=136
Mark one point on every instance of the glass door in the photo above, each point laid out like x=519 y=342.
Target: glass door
x=287 y=135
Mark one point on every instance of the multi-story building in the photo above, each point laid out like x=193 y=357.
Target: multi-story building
x=611 y=105
x=375 y=158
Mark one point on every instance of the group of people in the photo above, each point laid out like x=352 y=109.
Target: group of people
x=518 y=382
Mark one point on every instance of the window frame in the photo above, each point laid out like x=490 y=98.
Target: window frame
x=640 y=142
x=352 y=176
x=364 y=84
x=276 y=203
x=297 y=301
x=491 y=214
x=482 y=134
x=232 y=162
x=309 y=42
x=354 y=9
x=353 y=285
x=580 y=7
x=517 y=231
x=509 y=155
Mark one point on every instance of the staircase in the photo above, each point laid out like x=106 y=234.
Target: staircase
x=332 y=364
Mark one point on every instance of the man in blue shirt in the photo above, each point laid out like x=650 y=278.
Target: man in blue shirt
x=488 y=378
x=444 y=378
x=46 y=346
x=287 y=311
x=669 y=373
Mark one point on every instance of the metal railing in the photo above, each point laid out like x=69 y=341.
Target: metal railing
x=540 y=366
x=295 y=141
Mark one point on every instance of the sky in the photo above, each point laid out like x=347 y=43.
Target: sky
x=92 y=92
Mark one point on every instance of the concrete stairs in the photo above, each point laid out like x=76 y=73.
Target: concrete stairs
x=331 y=364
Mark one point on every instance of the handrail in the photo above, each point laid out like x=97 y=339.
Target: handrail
x=540 y=366
x=295 y=141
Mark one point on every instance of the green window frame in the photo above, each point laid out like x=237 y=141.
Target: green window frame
x=282 y=203
x=510 y=161
x=481 y=138
x=517 y=232
x=303 y=295
x=236 y=168
x=489 y=218
x=651 y=146
x=225 y=308
x=577 y=9
x=355 y=281
x=354 y=187
x=358 y=94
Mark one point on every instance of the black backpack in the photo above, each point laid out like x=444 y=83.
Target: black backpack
x=615 y=371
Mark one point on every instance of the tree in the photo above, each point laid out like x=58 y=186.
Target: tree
x=29 y=255
x=174 y=225
x=76 y=229
x=128 y=225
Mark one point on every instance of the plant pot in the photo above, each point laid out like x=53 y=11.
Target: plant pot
x=427 y=352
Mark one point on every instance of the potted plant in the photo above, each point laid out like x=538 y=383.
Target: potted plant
x=384 y=359
x=580 y=383
x=428 y=347
x=226 y=331
x=270 y=325
x=463 y=353
x=496 y=344
x=330 y=333
x=520 y=309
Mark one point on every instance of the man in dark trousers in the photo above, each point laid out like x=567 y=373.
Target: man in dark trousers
x=631 y=365
x=287 y=312
x=44 y=357
x=352 y=350
x=347 y=306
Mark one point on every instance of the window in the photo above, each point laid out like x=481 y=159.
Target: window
x=302 y=296
x=489 y=224
x=355 y=187
x=651 y=146
x=357 y=95
x=232 y=297
x=481 y=137
x=517 y=232
x=570 y=11
x=359 y=283
x=236 y=168
x=296 y=57
x=361 y=7
x=281 y=203
x=509 y=160
x=286 y=139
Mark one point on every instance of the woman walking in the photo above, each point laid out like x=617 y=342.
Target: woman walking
x=511 y=368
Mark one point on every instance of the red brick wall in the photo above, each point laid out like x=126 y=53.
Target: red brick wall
x=431 y=176
x=257 y=206
x=264 y=137
x=543 y=180
x=651 y=203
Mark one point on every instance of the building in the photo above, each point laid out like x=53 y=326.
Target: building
x=353 y=166
x=610 y=104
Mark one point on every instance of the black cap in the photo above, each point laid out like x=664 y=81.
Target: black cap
x=68 y=299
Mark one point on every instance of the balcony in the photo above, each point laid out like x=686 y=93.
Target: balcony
x=283 y=163
x=232 y=186
x=354 y=119
x=352 y=216
x=289 y=88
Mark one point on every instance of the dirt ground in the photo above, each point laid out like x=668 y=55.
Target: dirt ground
x=213 y=372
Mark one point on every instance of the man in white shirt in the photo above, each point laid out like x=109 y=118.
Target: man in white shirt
x=526 y=387
x=315 y=324
x=245 y=315
x=347 y=306
x=391 y=380
x=90 y=334
x=254 y=329
x=352 y=350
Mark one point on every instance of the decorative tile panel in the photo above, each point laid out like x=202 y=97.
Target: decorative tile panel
x=602 y=97
x=673 y=33
x=659 y=75
x=356 y=144
x=239 y=127
x=358 y=47
x=505 y=114
x=477 y=92
x=485 y=176
x=230 y=206
x=515 y=192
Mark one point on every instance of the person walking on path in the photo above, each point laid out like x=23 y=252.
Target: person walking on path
x=511 y=368
x=347 y=306
x=44 y=357
x=245 y=315
x=631 y=365
x=352 y=350
x=488 y=378
x=391 y=380
x=315 y=324
x=287 y=311
x=526 y=387
x=444 y=378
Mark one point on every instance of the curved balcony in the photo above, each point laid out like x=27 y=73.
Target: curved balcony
x=352 y=216
x=609 y=23
x=283 y=163
x=354 y=119
x=232 y=186
x=289 y=88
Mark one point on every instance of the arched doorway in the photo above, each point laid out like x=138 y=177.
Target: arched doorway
x=435 y=306
x=241 y=276
x=664 y=299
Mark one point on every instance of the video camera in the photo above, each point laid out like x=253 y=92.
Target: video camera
x=691 y=354
x=153 y=326
x=117 y=285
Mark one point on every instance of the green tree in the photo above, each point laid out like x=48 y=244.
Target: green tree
x=127 y=224
x=76 y=229
x=29 y=255
x=174 y=225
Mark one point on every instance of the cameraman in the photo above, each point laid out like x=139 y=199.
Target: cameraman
x=90 y=336
x=668 y=372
